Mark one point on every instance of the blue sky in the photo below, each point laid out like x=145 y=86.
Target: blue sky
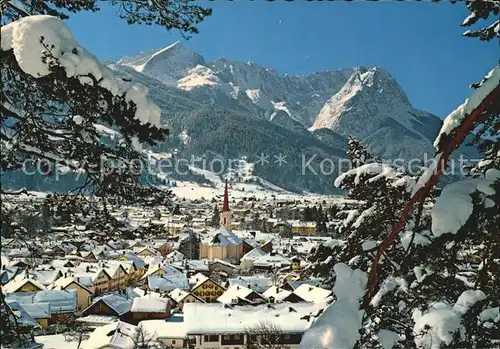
x=419 y=43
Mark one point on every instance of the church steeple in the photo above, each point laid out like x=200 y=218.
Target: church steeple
x=225 y=215
x=225 y=206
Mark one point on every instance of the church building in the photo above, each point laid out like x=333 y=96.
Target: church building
x=222 y=243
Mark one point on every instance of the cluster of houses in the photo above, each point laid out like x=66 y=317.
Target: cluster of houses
x=240 y=281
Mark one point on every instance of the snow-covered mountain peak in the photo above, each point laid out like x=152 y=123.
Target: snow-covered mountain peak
x=372 y=100
x=167 y=64
x=380 y=81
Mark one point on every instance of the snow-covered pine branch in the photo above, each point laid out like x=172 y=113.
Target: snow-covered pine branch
x=57 y=99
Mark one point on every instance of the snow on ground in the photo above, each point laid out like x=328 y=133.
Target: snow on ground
x=239 y=175
x=56 y=341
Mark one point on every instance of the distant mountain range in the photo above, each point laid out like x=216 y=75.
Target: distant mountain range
x=232 y=109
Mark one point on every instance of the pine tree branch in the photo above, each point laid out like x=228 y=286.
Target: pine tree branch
x=19 y=10
x=470 y=121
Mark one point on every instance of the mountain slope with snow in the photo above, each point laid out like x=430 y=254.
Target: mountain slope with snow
x=263 y=110
x=373 y=107
x=234 y=109
x=168 y=64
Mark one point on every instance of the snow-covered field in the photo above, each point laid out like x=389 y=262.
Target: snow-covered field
x=56 y=341
x=247 y=185
x=192 y=191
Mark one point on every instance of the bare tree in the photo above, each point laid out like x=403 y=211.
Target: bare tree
x=264 y=335
x=143 y=339
x=78 y=331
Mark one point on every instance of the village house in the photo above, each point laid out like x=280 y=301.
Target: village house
x=24 y=321
x=148 y=307
x=312 y=293
x=303 y=228
x=147 y=251
x=83 y=293
x=223 y=267
x=257 y=283
x=110 y=305
x=40 y=312
x=240 y=295
x=45 y=277
x=117 y=273
x=94 y=273
x=170 y=332
x=13 y=243
x=226 y=326
x=271 y=261
x=182 y=297
x=62 y=303
x=22 y=284
x=207 y=289
x=277 y=294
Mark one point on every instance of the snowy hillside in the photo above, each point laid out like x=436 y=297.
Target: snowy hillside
x=243 y=184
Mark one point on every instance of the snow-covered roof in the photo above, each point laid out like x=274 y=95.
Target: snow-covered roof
x=164 y=269
x=19 y=281
x=222 y=237
x=178 y=294
x=61 y=301
x=197 y=279
x=149 y=304
x=21 y=315
x=63 y=282
x=173 y=327
x=119 y=335
x=38 y=310
x=234 y=292
x=272 y=260
x=277 y=293
x=312 y=281
x=254 y=254
x=257 y=283
x=193 y=264
x=230 y=265
x=215 y=318
x=59 y=263
x=311 y=293
x=97 y=319
x=175 y=256
x=168 y=283
x=119 y=304
x=45 y=277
